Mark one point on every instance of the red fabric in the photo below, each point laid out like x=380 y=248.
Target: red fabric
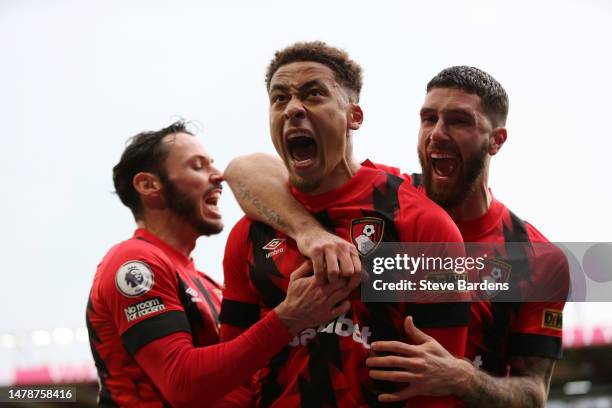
x=492 y=328
x=153 y=328
x=326 y=365
x=189 y=376
x=495 y=333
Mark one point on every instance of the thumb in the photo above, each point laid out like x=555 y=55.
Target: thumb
x=302 y=271
x=414 y=334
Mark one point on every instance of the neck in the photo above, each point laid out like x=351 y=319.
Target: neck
x=345 y=171
x=476 y=204
x=170 y=229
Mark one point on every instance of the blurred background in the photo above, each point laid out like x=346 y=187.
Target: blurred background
x=77 y=78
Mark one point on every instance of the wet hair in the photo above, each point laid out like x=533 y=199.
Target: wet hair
x=347 y=72
x=494 y=98
x=144 y=152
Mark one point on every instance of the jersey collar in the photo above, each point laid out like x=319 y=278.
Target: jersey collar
x=353 y=187
x=175 y=255
x=471 y=230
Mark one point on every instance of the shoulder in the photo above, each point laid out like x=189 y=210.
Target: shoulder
x=239 y=232
x=550 y=259
x=534 y=234
x=138 y=250
x=550 y=265
x=209 y=279
x=383 y=167
x=396 y=171
x=237 y=244
x=417 y=205
x=131 y=258
x=428 y=221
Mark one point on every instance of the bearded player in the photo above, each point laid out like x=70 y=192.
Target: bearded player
x=152 y=317
x=313 y=94
x=514 y=344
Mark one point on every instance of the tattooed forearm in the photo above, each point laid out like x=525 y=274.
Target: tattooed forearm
x=487 y=391
x=526 y=387
x=270 y=216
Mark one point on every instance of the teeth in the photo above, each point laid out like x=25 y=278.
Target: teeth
x=441 y=156
x=212 y=198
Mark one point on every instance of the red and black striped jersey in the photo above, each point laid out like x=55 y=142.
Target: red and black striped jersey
x=499 y=331
x=325 y=366
x=144 y=290
x=502 y=330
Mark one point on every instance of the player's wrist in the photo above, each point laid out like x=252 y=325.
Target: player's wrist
x=283 y=312
x=463 y=379
x=306 y=230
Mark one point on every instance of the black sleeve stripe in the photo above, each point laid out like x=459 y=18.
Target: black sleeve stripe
x=535 y=345
x=432 y=315
x=417 y=179
x=238 y=314
x=154 y=328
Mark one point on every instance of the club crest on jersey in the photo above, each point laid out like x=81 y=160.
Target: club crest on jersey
x=366 y=234
x=134 y=278
x=494 y=271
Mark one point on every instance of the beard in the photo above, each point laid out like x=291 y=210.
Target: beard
x=465 y=185
x=187 y=208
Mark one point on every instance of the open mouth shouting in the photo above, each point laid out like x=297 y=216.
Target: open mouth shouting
x=445 y=165
x=302 y=149
x=210 y=203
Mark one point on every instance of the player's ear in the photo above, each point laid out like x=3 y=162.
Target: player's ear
x=497 y=139
x=148 y=186
x=146 y=183
x=355 y=117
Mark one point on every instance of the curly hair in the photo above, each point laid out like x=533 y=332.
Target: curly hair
x=493 y=97
x=347 y=72
x=144 y=152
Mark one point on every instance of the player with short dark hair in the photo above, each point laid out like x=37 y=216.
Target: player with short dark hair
x=152 y=317
x=493 y=97
x=346 y=71
x=144 y=152
x=462 y=127
x=312 y=120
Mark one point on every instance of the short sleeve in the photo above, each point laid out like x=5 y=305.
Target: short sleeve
x=140 y=289
x=537 y=331
x=538 y=328
x=240 y=306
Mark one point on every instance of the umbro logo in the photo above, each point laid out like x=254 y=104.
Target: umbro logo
x=274 y=247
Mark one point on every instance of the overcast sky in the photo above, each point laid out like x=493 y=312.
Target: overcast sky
x=77 y=78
